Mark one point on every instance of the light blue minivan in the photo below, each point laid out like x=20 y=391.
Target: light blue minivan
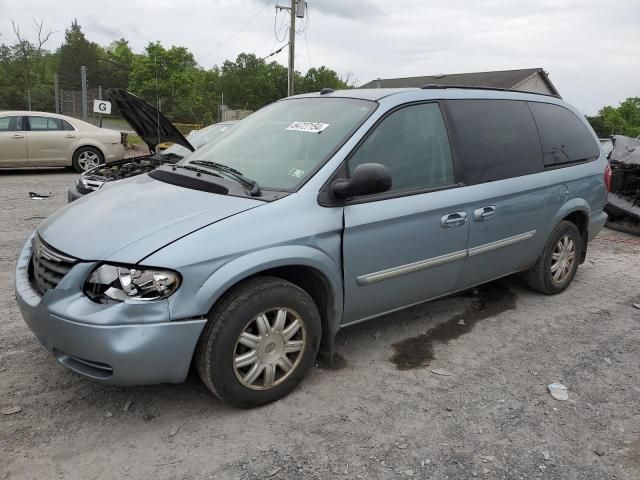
x=317 y=212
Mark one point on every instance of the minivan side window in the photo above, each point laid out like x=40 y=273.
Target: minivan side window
x=45 y=124
x=495 y=139
x=565 y=139
x=413 y=144
x=11 y=124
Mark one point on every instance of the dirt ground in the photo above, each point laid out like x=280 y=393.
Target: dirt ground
x=383 y=414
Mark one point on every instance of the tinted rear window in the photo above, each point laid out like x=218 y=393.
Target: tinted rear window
x=495 y=139
x=565 y=138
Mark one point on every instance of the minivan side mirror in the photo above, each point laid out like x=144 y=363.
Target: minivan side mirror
x=366 y=179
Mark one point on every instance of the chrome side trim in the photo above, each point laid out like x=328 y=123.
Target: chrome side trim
x=409 y=268
x=393 y=272
x=505 y=242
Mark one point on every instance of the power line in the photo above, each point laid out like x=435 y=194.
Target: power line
x=276 y=52
x=266 y=40
x=258 y=12
x=278 y=31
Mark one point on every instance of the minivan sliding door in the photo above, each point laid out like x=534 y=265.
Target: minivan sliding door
x=499 y=148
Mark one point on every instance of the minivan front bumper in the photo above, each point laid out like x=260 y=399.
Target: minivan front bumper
x=82 y=338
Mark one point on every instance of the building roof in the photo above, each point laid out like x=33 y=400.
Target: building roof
x=498 y=79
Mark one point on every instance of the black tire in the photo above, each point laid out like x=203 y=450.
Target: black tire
x=79 y=164
x=233 y=314
x=539 y=277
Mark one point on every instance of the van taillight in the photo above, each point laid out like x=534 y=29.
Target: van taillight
x=607 y=177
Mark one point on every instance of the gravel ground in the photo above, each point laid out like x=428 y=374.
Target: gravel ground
x=383 y=414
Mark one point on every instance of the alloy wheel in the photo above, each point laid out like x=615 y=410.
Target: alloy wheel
x=88 y=160
x=562 y=259
x=269 y=348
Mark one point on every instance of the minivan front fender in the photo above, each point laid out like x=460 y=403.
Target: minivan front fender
x=259 y=261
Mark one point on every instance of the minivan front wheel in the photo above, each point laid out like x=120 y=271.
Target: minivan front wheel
x=556 y=267
x=259 y=343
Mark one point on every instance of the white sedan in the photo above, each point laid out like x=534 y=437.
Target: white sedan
x=40 y=139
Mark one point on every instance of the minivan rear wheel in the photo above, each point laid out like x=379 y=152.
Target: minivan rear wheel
x=556 y=267
x=261 y=339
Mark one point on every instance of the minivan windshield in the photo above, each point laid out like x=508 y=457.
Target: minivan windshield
x=198 y=138
x=282 y=145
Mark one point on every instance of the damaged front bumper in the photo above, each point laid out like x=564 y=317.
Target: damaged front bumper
x=122 y=344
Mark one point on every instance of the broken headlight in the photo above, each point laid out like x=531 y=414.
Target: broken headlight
x=117 y=283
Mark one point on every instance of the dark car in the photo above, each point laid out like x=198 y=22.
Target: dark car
x=154 y=129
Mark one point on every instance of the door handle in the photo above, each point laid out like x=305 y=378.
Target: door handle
x=453 y=220
x=484 y=213
x=17 y=135
x=69 y=136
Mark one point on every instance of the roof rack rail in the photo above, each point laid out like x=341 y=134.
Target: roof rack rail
x=470 y=87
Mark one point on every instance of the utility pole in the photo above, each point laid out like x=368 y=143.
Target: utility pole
x=56 y=99
x=297 y=9
x=83 y=79
x=292 y=48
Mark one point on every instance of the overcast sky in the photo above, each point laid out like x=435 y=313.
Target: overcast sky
x=589 y=47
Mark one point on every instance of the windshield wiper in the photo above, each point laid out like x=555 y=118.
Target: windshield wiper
x=197 y=170
x=252 y=185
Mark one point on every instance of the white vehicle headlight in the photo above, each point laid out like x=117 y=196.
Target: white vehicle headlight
x=118 y=283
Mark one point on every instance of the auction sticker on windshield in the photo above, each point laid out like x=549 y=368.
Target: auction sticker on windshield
x=310 y=127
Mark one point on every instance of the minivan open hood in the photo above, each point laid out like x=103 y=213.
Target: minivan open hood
x=146 y=120
x=126 y=221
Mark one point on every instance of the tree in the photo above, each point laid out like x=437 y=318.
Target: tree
x=29 y=65
x=597 y=123
x=115 y=63
x=251 y=83
x=168 y=75
x=318 y=78
x=623 y=120
x=185 y=91
x=75 y=52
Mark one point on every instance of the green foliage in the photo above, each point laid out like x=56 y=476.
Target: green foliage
x=250 y=82
x=77 y=51
x=185 y=91
x=623 y=120
x=26 y=70
x=115 y=64
x=318 y=78
x=169 y=75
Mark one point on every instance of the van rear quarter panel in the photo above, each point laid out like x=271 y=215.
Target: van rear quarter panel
x=577 y=188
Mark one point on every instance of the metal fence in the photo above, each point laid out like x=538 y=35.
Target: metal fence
x=71 y=103
x=228 y=115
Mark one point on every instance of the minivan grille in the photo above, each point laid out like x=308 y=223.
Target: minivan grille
x=48 y=266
